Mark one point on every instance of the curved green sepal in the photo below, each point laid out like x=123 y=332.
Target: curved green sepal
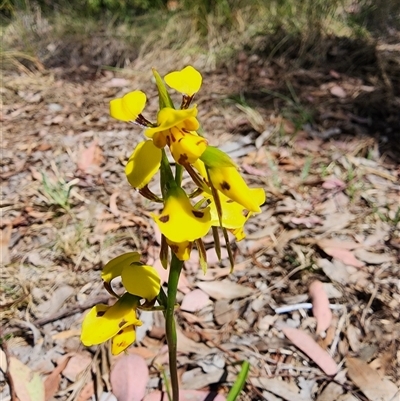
x=213 y=157
x=163 y=95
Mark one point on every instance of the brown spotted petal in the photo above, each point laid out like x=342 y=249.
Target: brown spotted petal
x=104 y=322
x=229 y=181
x=179 y=221
x=186 y=147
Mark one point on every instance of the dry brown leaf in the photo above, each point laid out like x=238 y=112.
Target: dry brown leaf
x=76 y=365
x=335 y=243
x=5 y=237
x=373 y=258
x=369 y=381
x=321 y=309
x=185 y=395
x=195 y=300
x=343 y=255
x=188 y=346
x=225 y=289
x=338 y=91
x=91 y=159
x=52 y=381
x=336 y=271
x=28 y=385
x=286 y=390
x=87 y=392
x=113 y=204
x=305 y=343
x=124 y=388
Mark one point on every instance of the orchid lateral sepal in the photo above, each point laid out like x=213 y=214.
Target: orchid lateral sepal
x=148 y=194
x=163 y=95
x=143 y=122
x=164 y=252
x=186 y=101
x=217 y=242
x=202 y=255
x=109 y=289
x=197 y=179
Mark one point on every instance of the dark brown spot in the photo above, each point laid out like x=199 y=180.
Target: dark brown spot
x=168 y=140
x=229 y=201
x=100 y=313
x=199 y=142
x=173 y=138
x=183 y=159
x=175 y=248
x=120 y=332
x=122 y=323
x=225 y=185
x=198 y=213
x=164 y=219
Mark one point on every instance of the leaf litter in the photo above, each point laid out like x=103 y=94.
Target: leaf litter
x=331 y=218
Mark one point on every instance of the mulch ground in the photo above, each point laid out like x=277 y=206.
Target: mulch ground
x=332 y=214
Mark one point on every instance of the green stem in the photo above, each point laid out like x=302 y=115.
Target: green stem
x=178 y=174
x=174 y=273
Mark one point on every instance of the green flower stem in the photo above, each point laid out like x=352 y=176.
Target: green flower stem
x=166 y=176
x=178 y=174
x=174 y=273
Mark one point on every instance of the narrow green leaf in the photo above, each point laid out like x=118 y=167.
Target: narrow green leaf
x=239 y=383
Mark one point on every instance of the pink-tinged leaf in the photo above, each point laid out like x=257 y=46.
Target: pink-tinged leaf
x=195 y=300
x=52 y=381
x=253 y=170
x=91 y=159
x=129 y=377
x=343 y=255
x=27 y=384
x=309 y=222
x=321 y=309
x=306 y=344
x=333 y=183
x=184 y=395
x=338 y=91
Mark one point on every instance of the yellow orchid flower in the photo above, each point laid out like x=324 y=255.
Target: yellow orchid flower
x=143 y=164
x=186 y=147
x=138 y=279
x=129 y=107
x=229 y=181
x=104 y=322
x=186 y=81
x=181 y=249
x=169 y=117
x=234 y=215
x=179 y=221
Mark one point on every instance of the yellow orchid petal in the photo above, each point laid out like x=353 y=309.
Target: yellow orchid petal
x=232 y=213
x=115 y=266
x=185 y=147
x=181 y=249
x=141 y=280
x=160 y=139
x=201 y=169
x=238 y=233
x=123 y=339
x=229 y=181
x=128 y=107
x=143 y=164
x=104 y=322
x=187 y=81
x=169 y=117
x=179 y=221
